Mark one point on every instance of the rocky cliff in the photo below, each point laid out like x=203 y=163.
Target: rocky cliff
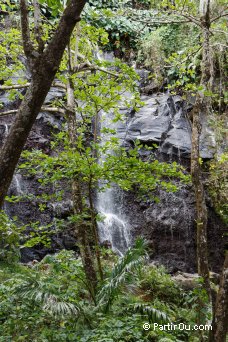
x=169 y=225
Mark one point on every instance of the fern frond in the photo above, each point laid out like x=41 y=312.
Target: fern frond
x=40 y=292
x=59 y=308
x=122 y=272
x=153 y=315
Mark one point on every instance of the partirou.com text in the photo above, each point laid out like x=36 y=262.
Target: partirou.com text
x=179 y=326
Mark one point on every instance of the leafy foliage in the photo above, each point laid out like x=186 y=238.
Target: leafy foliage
x=55 y=286
x=152 y=314
x=158 y=284
x=10 y=235
x=121 y=274
x=124 y=32
x=50 y=301
x=124 y=168
x=170 y=55
x=217 y=184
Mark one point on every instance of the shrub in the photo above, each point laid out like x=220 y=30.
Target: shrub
x=156 y=283
x=9 y=239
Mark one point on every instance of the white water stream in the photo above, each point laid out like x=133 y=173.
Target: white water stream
x=114 y=228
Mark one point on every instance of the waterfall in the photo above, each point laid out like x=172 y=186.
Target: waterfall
x=114 y=228
x=16 y=189
x=6 y=126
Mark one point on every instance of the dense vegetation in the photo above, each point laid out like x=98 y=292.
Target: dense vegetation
x=50 y=301
x=93 y=294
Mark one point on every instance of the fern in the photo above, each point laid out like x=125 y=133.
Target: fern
x=60 y=308
x=121 y=274
x=44 y=292
x=152 y=314
x=41 y=293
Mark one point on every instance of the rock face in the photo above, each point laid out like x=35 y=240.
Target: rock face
x=27 y=210
x=164 y=120
x=170 y=229
x=169 y=225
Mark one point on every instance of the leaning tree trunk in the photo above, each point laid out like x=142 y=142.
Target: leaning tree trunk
x=43 y=70
x=220 y=323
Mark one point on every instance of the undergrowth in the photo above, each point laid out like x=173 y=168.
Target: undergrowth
x=49 y=301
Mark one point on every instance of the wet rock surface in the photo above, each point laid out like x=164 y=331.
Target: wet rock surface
x=170 y=229
x=164 y=120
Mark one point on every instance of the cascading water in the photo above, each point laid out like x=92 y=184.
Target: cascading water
x=6 y=130
x=114 y=228
x=15 y=189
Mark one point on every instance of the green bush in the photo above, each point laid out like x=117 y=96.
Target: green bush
x=158 y=49
x=50 y=302
x=156 y=283
x=218 y=186
x=152 y=54
x=9 y=239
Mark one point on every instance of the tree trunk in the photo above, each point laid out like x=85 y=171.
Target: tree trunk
x=43 y=72
x=220 y=322
x=95 y=230
x=201 y=109
x=207 y=71
x=201 y=209
x=83 y=229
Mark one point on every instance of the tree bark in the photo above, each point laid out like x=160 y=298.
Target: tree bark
x=201 y=108
x=201 y=208
x=207 y=70
x=44 y=68
x=220 y=322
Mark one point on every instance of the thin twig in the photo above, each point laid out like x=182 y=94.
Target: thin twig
x=221 y=15
x=43 y=109
x=26 y=85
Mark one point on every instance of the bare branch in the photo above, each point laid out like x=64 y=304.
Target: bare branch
x=26 y=39
x=43 y=109
x=26 y=85
x=53 y=110
x=105 y=71
x=8 y=112
x=188 y=16
x=162 y=21
x=88 y=66
x=167 y=22
x=59 y=85
x=15 y=86
x=81 y=67
x=221 y=15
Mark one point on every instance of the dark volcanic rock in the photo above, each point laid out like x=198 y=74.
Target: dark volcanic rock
x=170 y=229
x=27 y=210
x=163 y=120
